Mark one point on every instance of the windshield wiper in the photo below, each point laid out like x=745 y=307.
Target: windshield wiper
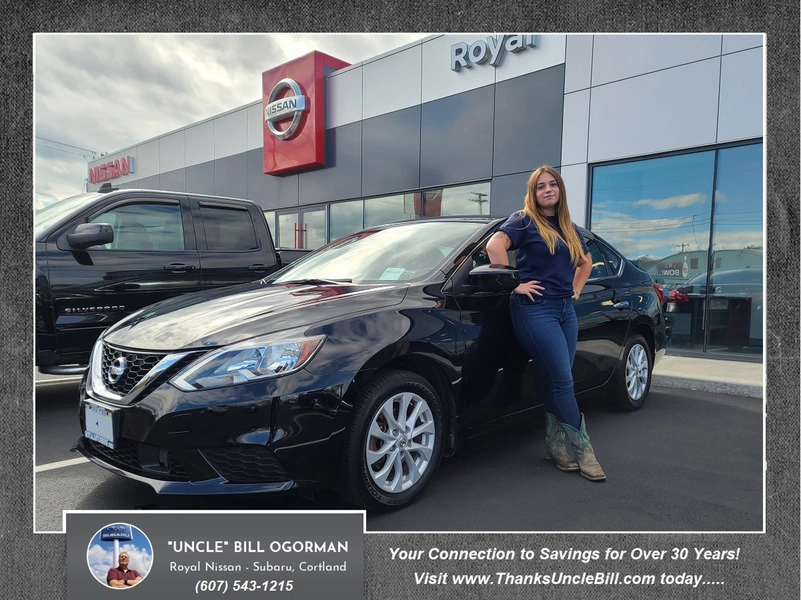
x=317 y=281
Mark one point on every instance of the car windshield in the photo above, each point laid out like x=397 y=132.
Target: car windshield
x=63 y=210
x=407 y=252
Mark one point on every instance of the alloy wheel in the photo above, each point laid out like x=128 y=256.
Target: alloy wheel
x=400 y=442
x=637 y=372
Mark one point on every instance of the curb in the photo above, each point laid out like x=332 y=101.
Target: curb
x=706 y=385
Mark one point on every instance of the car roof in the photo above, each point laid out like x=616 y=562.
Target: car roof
x=120 y=191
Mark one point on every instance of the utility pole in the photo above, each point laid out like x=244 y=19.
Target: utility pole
x=682 y=245
x=480 y=199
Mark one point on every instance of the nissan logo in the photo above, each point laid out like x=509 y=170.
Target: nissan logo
x=116 y=370
x=280 y=110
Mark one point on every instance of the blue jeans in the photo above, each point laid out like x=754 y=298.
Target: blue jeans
x=547 y=329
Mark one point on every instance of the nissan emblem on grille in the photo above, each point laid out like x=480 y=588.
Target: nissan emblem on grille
x=116 y=370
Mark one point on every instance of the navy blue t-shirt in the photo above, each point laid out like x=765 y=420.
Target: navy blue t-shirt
x=534 y=260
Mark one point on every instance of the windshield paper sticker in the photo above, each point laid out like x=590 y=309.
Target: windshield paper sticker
x=392 y=273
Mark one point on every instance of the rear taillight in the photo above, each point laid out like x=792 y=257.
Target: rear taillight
x=674 y=296
x=660 y=292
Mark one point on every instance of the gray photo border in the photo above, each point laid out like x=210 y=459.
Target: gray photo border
x=771 y=568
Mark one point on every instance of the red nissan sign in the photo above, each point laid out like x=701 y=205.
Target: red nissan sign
x=112 y=169
x=293 y=113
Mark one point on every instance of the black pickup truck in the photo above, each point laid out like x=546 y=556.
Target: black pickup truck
x=102 y=255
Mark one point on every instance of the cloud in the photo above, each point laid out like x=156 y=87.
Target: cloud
x=734 y=240
x=106 y=92
x=658 y=237
x=673 y=202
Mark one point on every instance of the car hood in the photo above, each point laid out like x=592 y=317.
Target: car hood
x=229 y=315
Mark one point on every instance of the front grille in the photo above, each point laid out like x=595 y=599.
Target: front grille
x=246 y=464
x=126 y=456
x=136 y=367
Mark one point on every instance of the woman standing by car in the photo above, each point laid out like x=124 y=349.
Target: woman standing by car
x=554 y=264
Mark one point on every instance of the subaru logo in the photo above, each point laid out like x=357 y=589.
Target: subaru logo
x=116 y=370
x=288 y=107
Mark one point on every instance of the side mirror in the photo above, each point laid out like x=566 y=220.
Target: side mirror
x=495 y=278
x=90 y=234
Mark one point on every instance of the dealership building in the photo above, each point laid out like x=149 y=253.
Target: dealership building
x=659 y=139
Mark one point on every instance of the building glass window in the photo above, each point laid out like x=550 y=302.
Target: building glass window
x=471 y=199
x=314 y=228
x=735 y=298
x=391 y=209
x=345 y=218
x=287 y=231
x=270 y=216
x=660 y=213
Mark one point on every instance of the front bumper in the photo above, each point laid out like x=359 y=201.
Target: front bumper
x=218 y=485
x=269 y=436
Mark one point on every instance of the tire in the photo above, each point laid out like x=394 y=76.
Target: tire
x=632 y=381
x=384 y=467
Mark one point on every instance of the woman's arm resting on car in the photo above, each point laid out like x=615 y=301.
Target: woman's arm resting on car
x=497 y=246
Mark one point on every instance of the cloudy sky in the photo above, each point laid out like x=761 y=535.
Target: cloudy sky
x=104 y=92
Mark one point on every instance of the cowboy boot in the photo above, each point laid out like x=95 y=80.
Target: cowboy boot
x=582 y=448
x=555 y=449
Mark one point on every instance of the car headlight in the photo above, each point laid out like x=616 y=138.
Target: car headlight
x=246 y=362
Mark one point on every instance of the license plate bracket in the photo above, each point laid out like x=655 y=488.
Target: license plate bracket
x=99 y=424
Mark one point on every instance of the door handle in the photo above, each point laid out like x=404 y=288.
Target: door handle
x=621 y=305
x=179 y=267
x=256 y=268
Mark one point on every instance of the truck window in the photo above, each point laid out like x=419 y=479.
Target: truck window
x=228 y=228
x=144 y=226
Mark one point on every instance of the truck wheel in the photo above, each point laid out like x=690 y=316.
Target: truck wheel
x=394 y=441
x=632 y=381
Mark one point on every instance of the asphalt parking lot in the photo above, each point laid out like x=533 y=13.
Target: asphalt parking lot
x=688 y=461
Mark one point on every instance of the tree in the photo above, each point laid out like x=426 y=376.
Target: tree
x=646 y=261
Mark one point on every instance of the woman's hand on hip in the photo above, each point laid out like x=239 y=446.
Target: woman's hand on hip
x=529 y=288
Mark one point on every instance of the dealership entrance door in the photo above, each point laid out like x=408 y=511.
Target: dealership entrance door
x=301 y=229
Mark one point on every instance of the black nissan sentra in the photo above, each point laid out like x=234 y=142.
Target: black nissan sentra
x=357 y=367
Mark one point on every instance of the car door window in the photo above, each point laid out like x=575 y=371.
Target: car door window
x=228 y=228
x=480 y=256
x=599 y=267
x=143 y=226
x=613 y=259
x=476 y=255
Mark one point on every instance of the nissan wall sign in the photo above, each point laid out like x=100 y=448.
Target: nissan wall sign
x=293 y=105
x=288 y=107
x=490 y=51
x=112 y=169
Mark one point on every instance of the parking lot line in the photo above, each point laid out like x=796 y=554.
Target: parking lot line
x=60 y=464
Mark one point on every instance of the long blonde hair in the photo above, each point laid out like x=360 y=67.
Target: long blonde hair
x=549 y=235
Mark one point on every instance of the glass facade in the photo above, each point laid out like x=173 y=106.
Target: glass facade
x=306 y=228
x=694 y=221
x=391 y=209
x=345 y=218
